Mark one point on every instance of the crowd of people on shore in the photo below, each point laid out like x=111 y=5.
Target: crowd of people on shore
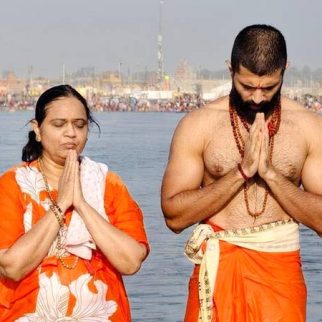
x=183 y=103
x=311 y=102
x=179 y=104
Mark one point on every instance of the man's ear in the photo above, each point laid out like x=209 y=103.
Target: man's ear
x=228 y=63
x=35 y=128
x=288 y=64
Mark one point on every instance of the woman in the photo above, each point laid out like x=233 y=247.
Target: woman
x=69 y=228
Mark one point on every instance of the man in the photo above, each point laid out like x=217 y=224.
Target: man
x=236 y=167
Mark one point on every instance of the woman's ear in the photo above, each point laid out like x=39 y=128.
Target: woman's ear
x=35 y=128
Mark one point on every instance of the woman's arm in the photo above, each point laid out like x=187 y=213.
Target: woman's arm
x=30 y=249
x=122 y=251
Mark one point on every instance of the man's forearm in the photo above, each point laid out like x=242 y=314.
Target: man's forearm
x=189 y=207
x=304 y=207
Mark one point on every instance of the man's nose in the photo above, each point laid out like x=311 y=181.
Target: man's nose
x=258 y=96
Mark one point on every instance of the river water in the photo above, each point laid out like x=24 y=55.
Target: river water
x=136 y=146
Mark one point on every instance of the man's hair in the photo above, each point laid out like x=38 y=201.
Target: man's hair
x=259 y=48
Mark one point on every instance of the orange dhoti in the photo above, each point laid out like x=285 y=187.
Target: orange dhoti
x=248 y=284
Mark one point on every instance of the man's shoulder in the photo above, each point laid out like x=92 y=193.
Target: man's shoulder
x=197 y=124
x=297 y=110
x=307 y=121
x=210 y=112
x=220 y=105
x=291 y=105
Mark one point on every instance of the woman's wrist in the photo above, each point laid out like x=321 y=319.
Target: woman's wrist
x=81 y=206
x=61 y=206
x=58 y=214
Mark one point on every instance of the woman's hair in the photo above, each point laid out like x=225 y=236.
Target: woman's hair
x=259 y=48
x=33 y=149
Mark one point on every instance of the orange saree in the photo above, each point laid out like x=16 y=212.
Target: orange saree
x=93 y=290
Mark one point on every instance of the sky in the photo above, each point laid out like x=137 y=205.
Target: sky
x=43 y=35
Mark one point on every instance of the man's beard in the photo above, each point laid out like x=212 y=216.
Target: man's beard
x=244 y=108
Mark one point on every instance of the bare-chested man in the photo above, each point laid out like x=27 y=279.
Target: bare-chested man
x=236 y=167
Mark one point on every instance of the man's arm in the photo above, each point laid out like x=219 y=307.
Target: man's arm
x=184 y=202
x=303 y=206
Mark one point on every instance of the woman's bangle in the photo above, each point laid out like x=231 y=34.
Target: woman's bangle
x=58 y=217
x=240 y=169
x=58 y=208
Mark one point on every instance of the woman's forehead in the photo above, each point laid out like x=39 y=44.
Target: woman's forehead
x=66 y=107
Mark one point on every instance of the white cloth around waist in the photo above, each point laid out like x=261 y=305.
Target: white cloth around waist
x=280 y=236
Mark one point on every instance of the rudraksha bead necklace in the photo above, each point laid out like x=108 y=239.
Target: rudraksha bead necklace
x=273 y=127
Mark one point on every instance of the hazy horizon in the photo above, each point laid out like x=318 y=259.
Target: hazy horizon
x=103 y=34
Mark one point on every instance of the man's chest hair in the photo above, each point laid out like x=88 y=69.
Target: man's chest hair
x=289 y=153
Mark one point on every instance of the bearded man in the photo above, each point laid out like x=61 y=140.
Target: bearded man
x=236 y=168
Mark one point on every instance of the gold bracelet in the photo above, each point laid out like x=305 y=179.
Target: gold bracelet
x=62 y=215
x=58 y=208
x=59 y=218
